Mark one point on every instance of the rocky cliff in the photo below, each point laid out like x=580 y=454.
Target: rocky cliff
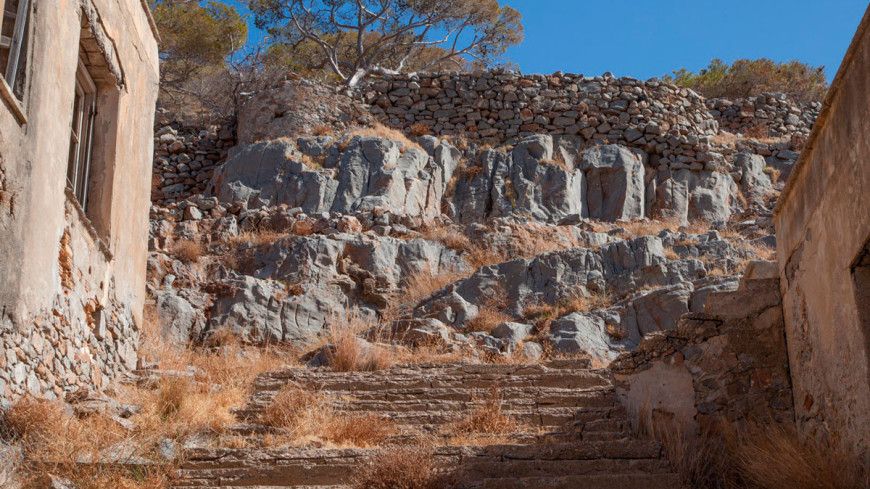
x=500 y=215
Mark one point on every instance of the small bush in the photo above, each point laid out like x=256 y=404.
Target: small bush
x=348 y=354
x=746 y=78
x=188 y=251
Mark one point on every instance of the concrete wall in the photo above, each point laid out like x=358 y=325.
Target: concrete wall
x=823 y=227
x=72 y=285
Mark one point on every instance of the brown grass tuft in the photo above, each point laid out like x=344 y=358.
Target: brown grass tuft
x=188 y=251
x=484 y=421
x=381 y=131
x=305 y=416
x=322 y=130
x=348 y=354
x=419 y=129
x=542 y=314
x=400 y=468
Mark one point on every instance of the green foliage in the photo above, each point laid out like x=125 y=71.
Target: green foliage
x=196 y=38
x=351 y=38
x=745 y=78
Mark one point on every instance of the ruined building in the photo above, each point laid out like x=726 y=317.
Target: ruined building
x=79 y=84
x=823 y=238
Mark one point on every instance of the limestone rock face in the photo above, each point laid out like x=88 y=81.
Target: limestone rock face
x=614 y=177
x=371 y=173
x=295 y=286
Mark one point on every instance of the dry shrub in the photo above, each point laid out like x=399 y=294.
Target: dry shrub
x=305 y=416
x=754 y=455
x=322 y=130
x=346 y=353
x=381 y=131
x=490 y=312
x=558 y=160
x=543 y=314
x=188 y=251
x=482 y=256
x=400 y=468
x=449 y=237
x=224 y=377
x=777 y=457
x=419 y=129
x=254 y=238
x=488 y=317
x=773 y=173
x=486 y=420
x=54 y=441
x=415 y=288
x=311 y=162
x=670 y=254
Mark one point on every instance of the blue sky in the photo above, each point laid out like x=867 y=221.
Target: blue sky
x=646 y=38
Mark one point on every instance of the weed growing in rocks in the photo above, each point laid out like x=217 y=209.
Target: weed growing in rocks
x=188 y=251
x=400 y=468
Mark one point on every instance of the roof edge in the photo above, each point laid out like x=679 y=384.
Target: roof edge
x=827 y=104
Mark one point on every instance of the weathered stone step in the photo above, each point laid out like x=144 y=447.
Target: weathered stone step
x=525 y=377
x=612 y=481
x=292 y=467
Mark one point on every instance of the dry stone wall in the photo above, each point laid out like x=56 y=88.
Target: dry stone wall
x=185 y=157
x=767 y=115
x=501 y=106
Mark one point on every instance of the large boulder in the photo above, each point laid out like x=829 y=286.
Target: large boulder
x=614 y=182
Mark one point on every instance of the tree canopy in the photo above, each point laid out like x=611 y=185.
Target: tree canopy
x=196 y=37
x=353 y=38
x=746 y=78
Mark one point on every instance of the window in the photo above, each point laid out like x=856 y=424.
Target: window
x=82 y=135
x=13 y=43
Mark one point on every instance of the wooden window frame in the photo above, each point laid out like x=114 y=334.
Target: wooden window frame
x=82 y=135
x=18 y=46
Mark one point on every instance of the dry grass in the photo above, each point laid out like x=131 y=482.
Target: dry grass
x=322 y=130
x=450 y=237
x=558 y=160
x=417 y=287
x=347 y=353
x=187 y=250
x=311 y=162
x=776 y=457
x=773 y=173
x=400 y=468
x=486 y=421
x=305 y=416
x=488 y=317
x=543 y=314
x=54 y=441
x=753 y=456
x=379 y=130
x=419 y=129
x=254 y=238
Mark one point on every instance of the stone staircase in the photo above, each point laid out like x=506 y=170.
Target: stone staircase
x=572 y=432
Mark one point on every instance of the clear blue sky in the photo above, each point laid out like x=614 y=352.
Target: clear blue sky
x=646 y=38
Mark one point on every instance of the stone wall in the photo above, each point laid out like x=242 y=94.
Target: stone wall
x=726 y=364
x=72 y=281
x=767 y=115
x=823 y=233
x=185 y=157
x=500 y=106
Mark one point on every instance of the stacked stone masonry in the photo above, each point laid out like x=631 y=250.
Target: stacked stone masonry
x=185 y=158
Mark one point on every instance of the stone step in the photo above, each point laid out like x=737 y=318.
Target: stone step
x=611 y=481
x=393 y=379
x=292 y=467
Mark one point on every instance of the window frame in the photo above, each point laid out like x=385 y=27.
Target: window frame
x=80 y=154
x=19 y=47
